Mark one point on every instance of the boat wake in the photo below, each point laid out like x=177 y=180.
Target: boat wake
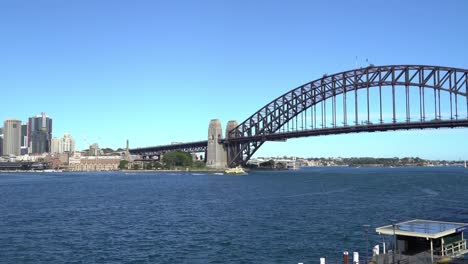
x=428 y=191
x=319 y=193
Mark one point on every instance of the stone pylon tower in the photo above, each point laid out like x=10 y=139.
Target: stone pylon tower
x=232 y=149
x=216 y=154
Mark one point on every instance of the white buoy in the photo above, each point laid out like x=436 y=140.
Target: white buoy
x=322 y=260
x=376 y=250
x=356 y=257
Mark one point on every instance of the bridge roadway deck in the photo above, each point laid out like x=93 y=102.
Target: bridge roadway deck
x=200 y=146
x=353 y=129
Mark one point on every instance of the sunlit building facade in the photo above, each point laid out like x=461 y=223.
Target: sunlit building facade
x=63 y=144
x=40 y=134
x=1 y=144
x=24 y=139
x=12 y=137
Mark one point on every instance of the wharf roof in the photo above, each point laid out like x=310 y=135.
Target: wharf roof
x=423 y=228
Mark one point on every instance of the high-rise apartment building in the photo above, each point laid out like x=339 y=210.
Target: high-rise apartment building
x=39 y=133
x=24 y=135
x=12 y=137
x=1 y=141
x=63 y=144
x=24 y=139
x=1 y=144
x=55 y=146
x=68 y=143
x=94 y=150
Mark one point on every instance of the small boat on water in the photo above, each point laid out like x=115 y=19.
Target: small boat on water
x=52 y=170
x=236 y=171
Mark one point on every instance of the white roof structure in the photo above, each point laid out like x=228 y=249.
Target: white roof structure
x=423 y=228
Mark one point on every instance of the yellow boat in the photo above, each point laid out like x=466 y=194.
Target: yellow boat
x=236 y=170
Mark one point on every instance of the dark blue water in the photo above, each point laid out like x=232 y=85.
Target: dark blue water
x=264 y=217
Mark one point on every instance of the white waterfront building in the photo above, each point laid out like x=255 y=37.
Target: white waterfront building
x=63 y=144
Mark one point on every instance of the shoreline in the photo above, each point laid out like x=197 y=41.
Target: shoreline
x=205 y=170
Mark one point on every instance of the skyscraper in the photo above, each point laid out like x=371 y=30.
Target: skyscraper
x=1 y=141
x=1 y=144
x=24 y=135
x=24 y=139
x=40 y=133
x=12 y=137
x=55 y=146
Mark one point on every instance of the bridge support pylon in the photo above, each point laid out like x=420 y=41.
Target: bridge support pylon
x=216 y=156
x=232 y=149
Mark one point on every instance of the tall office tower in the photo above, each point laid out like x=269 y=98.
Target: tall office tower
x=1 y=144
x=40 y=133
x=24 y=135
x=1 y=141
x=24 y=139
x=12 y=137
x=55 y=146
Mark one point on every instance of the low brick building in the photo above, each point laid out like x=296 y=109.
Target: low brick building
x=93 y=163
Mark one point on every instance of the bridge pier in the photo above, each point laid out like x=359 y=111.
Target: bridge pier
x=232 y=148
x=216 y=153
x=219 y=155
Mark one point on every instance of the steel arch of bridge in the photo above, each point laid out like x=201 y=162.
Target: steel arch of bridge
x=266 y=123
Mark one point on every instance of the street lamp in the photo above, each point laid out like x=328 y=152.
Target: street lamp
x=367 y=242
x=394 y=239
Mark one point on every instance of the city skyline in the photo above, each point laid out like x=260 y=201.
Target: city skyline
x=168 y=74
x=31 y=137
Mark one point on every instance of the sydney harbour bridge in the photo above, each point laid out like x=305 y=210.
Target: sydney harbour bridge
x=375 y=98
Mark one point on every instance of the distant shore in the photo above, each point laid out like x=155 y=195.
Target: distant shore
x=207 y=170
x=189 y=170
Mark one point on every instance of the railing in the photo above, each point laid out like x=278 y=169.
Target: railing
x=419 y=258
x=455 y=248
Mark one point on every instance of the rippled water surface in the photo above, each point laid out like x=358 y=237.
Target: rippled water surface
x=264 y=217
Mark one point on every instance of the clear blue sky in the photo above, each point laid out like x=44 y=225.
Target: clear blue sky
x=155 y=72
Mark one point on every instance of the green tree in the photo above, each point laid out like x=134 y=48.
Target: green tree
x=198 y=164
x=157 y=165
x=148 y=166
x=268 y=164
x=177 y=159
x=123 y=164
x=280 y=165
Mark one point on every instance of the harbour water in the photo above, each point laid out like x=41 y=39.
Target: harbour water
x=263 y=217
